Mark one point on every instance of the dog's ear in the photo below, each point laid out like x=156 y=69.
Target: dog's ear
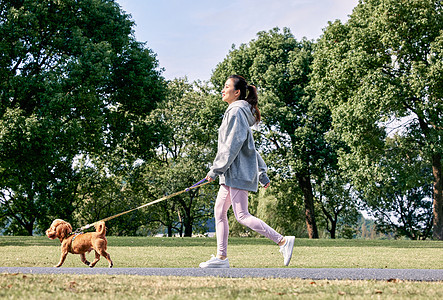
x=63 y=230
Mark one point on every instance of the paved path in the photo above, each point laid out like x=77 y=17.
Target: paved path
x=313 y=274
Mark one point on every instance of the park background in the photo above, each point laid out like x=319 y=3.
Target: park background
x=90 y=125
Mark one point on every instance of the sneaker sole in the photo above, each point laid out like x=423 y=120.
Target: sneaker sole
x=214 y=267
x=205 y=265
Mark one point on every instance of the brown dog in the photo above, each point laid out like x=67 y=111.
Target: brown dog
x=80 y=243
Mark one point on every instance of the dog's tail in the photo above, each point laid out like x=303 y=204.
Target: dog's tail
x=100 y=228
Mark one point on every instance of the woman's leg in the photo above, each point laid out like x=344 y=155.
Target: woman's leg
x=239 y=199
x=221 y=207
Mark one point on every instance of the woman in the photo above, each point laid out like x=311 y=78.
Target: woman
x=240 y=168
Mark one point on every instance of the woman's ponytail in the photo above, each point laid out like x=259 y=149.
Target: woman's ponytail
x=252 y=99
x=248 y=93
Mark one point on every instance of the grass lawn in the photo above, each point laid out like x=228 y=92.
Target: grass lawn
x=154 y=252
x=149 y=252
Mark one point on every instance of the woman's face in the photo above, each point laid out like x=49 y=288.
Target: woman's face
x=229 y=94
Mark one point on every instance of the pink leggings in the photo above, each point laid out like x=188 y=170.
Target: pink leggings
x=239 y=200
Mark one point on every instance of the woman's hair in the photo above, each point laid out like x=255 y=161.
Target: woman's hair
x=251 y=97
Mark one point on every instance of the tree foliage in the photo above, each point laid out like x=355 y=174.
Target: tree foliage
x=334 y=195
x=401 y=201
x=384 y=66
x=188 y=117
x=73 y=81
x=89 y=128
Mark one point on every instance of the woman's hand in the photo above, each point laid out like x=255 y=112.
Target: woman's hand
x=267 y=185
x=209 y=179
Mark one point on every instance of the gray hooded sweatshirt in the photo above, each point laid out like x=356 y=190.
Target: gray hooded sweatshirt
x=237 y=161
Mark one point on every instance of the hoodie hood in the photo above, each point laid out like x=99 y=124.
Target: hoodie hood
x=245 y=107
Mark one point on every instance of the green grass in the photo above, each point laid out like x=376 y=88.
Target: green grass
x=151 y=252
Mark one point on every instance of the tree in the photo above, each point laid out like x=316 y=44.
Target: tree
x=385 y=65
x=336 y=200
x=183 y=155
x=401 y=197
x=283 y=216
x=73 y=81
x=109 y=185
x=294 y=124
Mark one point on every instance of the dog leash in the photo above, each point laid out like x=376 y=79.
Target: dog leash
x=196 y=185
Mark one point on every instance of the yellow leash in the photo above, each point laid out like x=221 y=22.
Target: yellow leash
x=199 y=184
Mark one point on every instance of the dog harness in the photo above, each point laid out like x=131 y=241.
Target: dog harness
x=75 y=235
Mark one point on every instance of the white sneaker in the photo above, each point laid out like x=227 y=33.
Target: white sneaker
x=287 y=248
x=215 y=262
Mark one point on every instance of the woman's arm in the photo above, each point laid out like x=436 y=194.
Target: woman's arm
x=262 y=169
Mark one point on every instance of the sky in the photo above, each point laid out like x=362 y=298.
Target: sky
x=190 y=37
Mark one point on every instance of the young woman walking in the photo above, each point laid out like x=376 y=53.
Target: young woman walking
x=240 y=168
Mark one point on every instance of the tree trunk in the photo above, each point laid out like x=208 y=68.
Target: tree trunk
x=169 y=230
x=333 y=229
x=330 y=219
x=27 y=225
x=187 y=220
x=29 y=229
x=305 y=185
x=188 y=223
x=188 y=230
x=438 y=198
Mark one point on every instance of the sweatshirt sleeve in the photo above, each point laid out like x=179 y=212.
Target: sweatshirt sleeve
x=232 y=135
x=262 y=169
